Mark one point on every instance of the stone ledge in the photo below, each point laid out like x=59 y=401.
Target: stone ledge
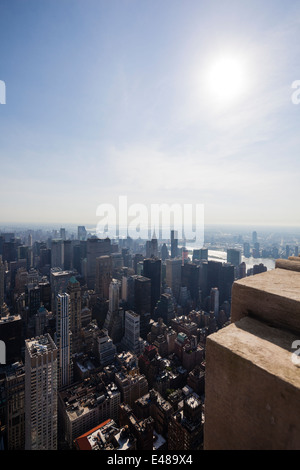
x=272 y=297
x=293 y=264
x=252 y=388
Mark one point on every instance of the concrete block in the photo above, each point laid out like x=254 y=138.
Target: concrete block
x=252 y=389
x=272 y=297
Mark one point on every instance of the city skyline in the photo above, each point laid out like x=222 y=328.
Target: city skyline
x=105 y=99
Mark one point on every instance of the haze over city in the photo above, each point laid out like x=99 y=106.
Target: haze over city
x=186 y=102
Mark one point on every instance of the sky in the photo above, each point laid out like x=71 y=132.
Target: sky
x=110 y=98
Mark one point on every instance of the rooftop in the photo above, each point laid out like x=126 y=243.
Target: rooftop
x=40 y=345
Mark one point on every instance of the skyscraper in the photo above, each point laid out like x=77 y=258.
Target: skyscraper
x=142 y=302
x=103 y=275
x=233 y=257
x=131 y=339
x=2 y=277
x=63 y=337
x=40 y=393
x=152 y=270
x=173 y=276
x=74 y=291
x=95 y=247
x=214 y=300
x=174 y=244
x=57 y=254
x=247 y=250
x=81 y=232
x=114 y=321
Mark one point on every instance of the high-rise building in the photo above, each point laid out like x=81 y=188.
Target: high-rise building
x=2 y=278
x=57 y=254
x=62 y=233
x=103 y=275
x=173 y=276
x=92 y=403
x=114 y=321
x=95 y=247
x=106 y=348
x=63 y=340
x=226 y=282
x=68 y=254
x=214 y=300
x=142 y=429
x=174 y=244
x=256 y=250
x=40 y=393
x=11 y=332
x=164 y=308
x=142 y=302
x=152 y=270
x=242 y=270
x=185 y=430
x=81 y=232
x=74 y=292
x=131 y=386
x=259 y=268
x=190 y=280
x=14 y=399
x=233 y=257
x=59 y=281
x=131 y=340
x=247 y=250
x=254 y=237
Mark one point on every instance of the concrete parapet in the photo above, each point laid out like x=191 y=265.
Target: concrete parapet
x=252 y=389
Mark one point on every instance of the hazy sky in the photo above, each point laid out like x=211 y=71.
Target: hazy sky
x=110 y=98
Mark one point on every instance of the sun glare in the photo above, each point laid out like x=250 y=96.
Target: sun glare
x=226 y=79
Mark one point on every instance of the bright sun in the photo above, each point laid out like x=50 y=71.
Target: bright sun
x=226 y=79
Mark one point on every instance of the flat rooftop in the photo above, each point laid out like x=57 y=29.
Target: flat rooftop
x=40 y=345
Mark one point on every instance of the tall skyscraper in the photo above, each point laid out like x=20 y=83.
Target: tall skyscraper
x=62 y=233
x=190 y=280
x=152 y=270
x=142 y=302
x=164 y=309
x=114 y=321
x=174 y=244
x=247 y=250
x=63 y=338
x=57 y=254
x=173 y=276
x=68 y=254
x=233 y=257
x=103 y=275
x=74 y=291
x=2 y=278
x=40 y=393
x=214 y=301
x=95 y=247
x=106 y=348
x=131 y=339
x=81 y=232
